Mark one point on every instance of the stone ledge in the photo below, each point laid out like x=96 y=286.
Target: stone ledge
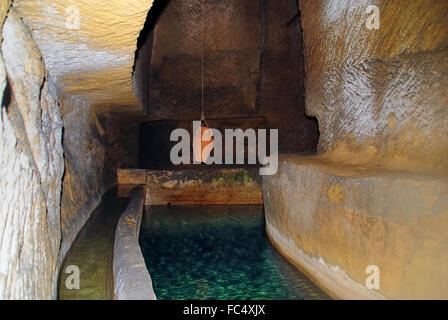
x=131 y=278
x=335 y=281
x=333 y=220
x=193 y=186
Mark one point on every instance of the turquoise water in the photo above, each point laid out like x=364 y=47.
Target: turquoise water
x=217 y=252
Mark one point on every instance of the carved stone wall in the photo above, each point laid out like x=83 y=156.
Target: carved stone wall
x=31 y=168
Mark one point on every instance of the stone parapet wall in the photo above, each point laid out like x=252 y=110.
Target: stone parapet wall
x=194 y=186
x=131 y=278
x=334 y=220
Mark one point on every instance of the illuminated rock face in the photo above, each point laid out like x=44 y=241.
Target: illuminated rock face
x=379 y=93
x=376 y=192
x=31 y=168
x=62 y=86
x=334 y=220
x=93 y=62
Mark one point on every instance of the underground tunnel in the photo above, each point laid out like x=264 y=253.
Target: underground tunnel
x=223 y=150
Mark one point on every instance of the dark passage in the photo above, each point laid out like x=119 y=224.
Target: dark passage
x=252 y=61
x=217 y=252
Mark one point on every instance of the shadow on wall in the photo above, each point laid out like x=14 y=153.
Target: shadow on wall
x=143 y=54
x=6 y=96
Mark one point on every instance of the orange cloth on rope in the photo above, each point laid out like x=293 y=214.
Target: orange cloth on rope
x=203 y=137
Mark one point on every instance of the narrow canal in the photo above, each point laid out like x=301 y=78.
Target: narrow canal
x=92 y=253
x=217 y=252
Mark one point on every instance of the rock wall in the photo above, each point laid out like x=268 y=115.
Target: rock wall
x=379 y=93
x=31 y=168
x=60 y=142
x=95 y=145
x=281 y=90
x=84 y=181
x=334 y=220
x=89 y=46
x=231 y=58
x=376 y=192
x=90 y=52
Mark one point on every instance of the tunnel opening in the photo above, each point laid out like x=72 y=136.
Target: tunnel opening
x=253 y=68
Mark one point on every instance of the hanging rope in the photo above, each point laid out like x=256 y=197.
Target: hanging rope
x=202 y=64
x=200 y=143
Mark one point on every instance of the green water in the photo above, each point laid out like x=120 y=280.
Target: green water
x=217 y=252
x=92 y=253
